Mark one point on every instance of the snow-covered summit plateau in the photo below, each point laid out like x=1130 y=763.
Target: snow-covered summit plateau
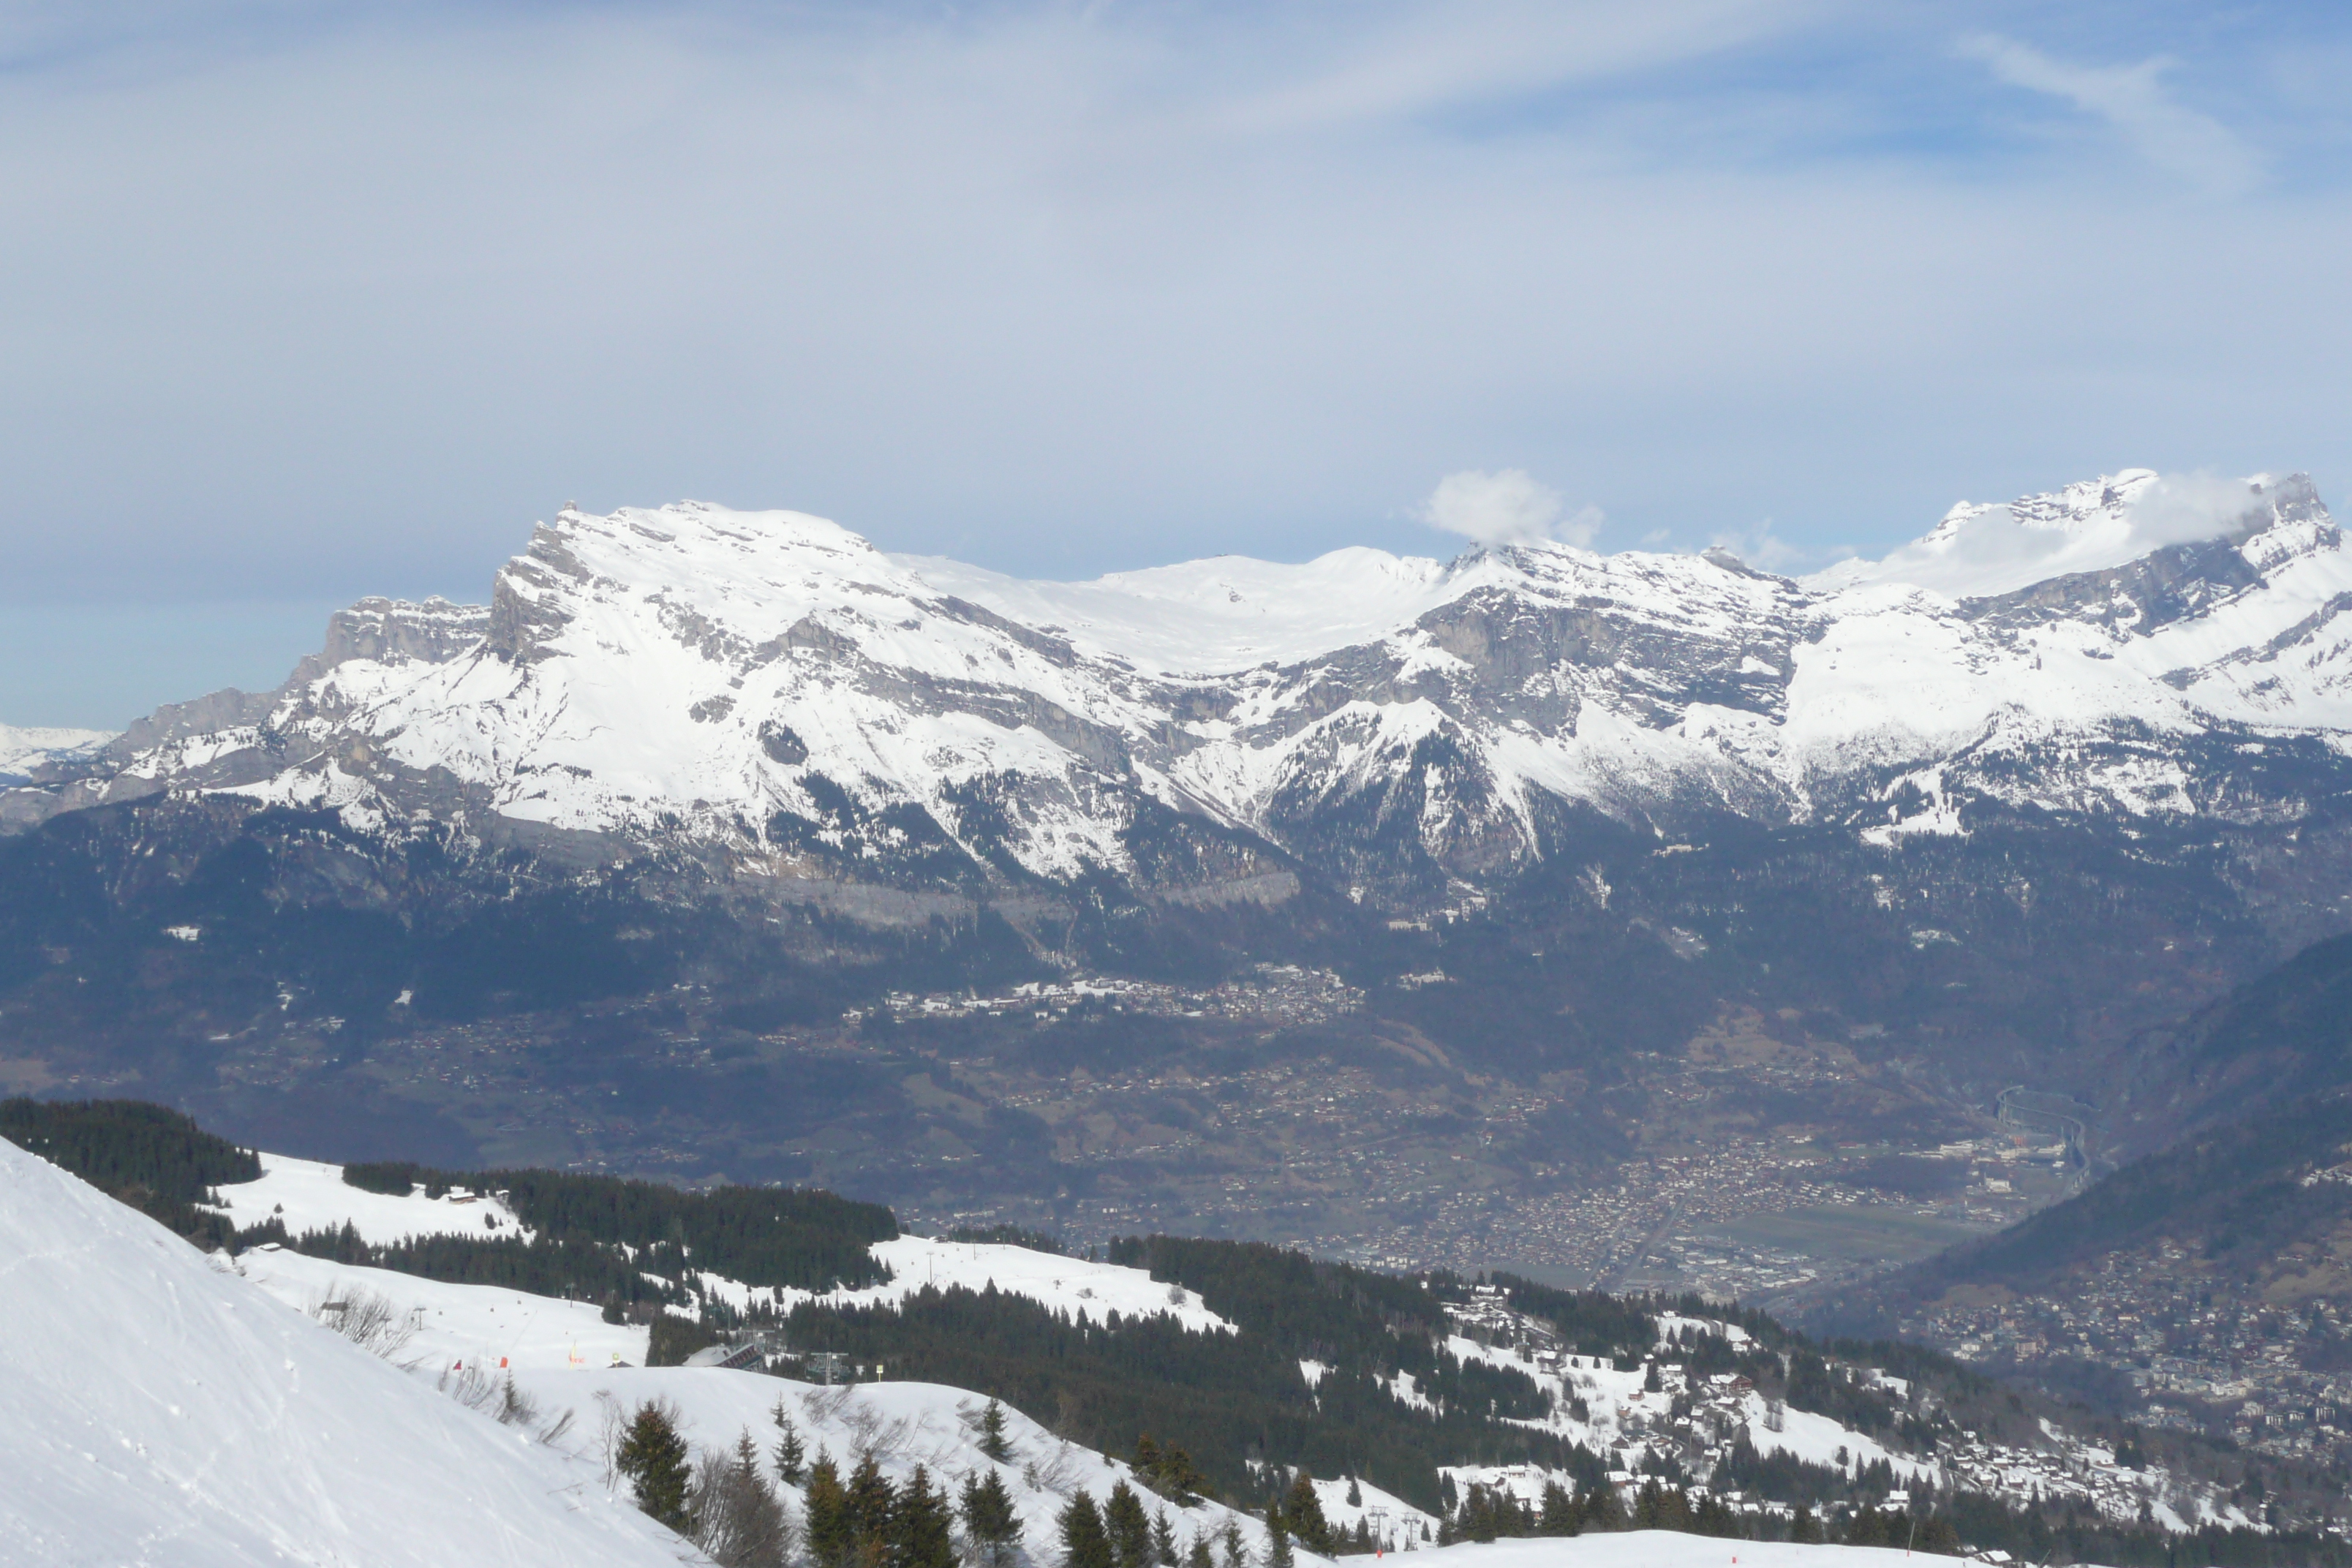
x=770 y=694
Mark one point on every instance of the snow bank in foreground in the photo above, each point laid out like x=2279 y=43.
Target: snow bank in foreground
x=158 y=1410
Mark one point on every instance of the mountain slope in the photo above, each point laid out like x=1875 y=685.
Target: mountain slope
x=696 y=786
x=770 y=688
x=2201 y=1285
x=161 y=1411
x=23 y=752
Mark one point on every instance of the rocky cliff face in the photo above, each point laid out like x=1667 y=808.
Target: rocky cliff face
x=768 y=692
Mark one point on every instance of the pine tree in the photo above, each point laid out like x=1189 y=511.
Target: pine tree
x=1559 y=1516
x=653 y=1456
x=1084 y=1543
x=1237 y=1553
x=1448 y=1499
x=1355 y=1493
x=988 y=1518
x=1129 y=1527
x=871 y=1497
x=1167 y=1471
x=1200 y=1556
x=790 y=1453
x=919 y=1532
x=1163 y=1541
x=832 y=1530
x=993 y=1441
x=1302 y=1511
x=1278 y=1553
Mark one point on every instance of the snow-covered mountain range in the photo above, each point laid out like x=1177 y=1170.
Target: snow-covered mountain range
x=24 y=750
x=768 y=693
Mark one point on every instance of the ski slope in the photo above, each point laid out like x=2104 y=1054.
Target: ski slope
x=448 y=1324
x=1070 y=1286
x=160 y=1411
x=310 y=1195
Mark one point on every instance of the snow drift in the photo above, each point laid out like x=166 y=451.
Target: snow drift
x=160 y=1411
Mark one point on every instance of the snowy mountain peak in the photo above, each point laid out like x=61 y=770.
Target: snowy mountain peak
x=1980 y=551
x=24 y=750
x=770 y=689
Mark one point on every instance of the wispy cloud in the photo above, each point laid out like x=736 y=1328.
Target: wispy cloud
x=2133 y=100
x=1758 y=546
x=1507 y=507
x=1420 y=58
x=314 y=298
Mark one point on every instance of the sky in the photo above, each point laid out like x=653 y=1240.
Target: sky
x=301 y=301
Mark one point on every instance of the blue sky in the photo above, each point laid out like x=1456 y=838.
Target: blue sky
x=300 y=302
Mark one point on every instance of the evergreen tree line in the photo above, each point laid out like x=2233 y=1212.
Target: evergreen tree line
x=1936 y=1524
x=1230 y=1399
x=800 y=1238
x=1010 y=1235
x=151 y=1157
x=1490 y=1513
x=579 y=1271
x=729 y=1507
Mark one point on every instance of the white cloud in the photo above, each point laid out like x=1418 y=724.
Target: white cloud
x=1759 y=547
x=1506 y=506
x=1988 y=550
x=2181 y=508
x=2131 y=98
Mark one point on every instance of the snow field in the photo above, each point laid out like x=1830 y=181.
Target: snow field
x=1071 y=1285
x=485 y=1322
x=902 y=1424
x=159 y=1411
x=1618 y=1402
x=1390 y=1515
x=309 y=1194
x=23 y=748
x=448 y=1324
